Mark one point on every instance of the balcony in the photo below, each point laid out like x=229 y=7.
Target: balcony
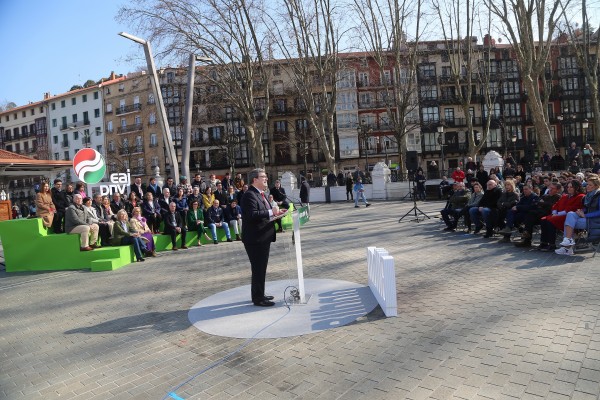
x=128 y=109
x=64 y=143
x=153 y=144
x=129 y=128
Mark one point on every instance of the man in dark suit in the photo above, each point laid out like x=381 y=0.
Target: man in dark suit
x=221 y=195
x=214 y=218
x=174 y=225
x=137 y=188
x=258 y=231
x=60 y=202
x=116 y=203
x=305 y=193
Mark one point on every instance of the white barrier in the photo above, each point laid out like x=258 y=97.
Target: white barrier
x=382 y=279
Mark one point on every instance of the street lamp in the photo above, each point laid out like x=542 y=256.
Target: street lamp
x=187 y=127
x=440 y=140
x=584 y=126
x=86 y=138
x=162 y=113
x=363 y=132
x=513 y=139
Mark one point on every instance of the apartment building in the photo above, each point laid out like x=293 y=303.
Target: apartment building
x=133 y=137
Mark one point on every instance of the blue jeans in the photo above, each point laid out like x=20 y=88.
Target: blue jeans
x=480 y=217
x=360 y=194
x=138 y=245
x=575 y=221
x=213 y=229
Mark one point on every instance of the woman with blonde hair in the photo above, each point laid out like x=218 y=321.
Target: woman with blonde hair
x=45 y=206
x=139 y=224
x=124 y=234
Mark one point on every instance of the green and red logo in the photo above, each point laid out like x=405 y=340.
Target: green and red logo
x=89 y=166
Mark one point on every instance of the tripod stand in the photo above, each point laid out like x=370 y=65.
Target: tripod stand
x=415 y=210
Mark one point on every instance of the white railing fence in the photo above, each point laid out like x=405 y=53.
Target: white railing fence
x=382 y=279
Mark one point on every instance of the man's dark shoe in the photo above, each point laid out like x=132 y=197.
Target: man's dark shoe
x=542 y=246
x=184 y=247
x=269 y=298
x=264 y=303
x=215 y=241
x=523 y=243
x=368 y=204
x=229 y=240
x=449 y=229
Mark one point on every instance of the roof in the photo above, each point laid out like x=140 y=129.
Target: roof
x=13 y=164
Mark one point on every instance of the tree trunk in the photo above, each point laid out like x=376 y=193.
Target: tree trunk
x=545 y=140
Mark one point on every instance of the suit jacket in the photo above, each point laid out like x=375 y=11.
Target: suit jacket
x=170 y=226
x=222 y=197
x=164 y=205
x=154 y=190
x=139 y=191
x=119 y=233
x=193 y=217
x=59 y=199
x=256 y=227
x=278 y=194
x=305 y=192
x=214 y=216
x=116 y=207
x=147 y=210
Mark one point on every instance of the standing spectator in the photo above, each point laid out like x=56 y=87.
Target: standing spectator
x=331 y=180
x=241 y=193
x=588 y=156
x=471 y=165
x=153 y=188
x=349 y=184
x=557 y=162
x=174 y=226
x=359 y=191
x=116 y=203
x=151 y=210
x=137 y=188
x=596 y=167
x=24 y=210
x=170 y=185
x=238 y=182
x=61 y=204
x=215 y=218
x=183 y=184
x=212 y=182
x=482 y=176
x=458 y=175
x=340 y=179
x=420 y=181
x=573 y=154
x=508 y=171
x=433 y=170
x=231 y=195
x=545 y=161
x=304 y=192
x=44 y=205
x=221 y=195
x=124 y=234
x=227 y=182
x=76 y=223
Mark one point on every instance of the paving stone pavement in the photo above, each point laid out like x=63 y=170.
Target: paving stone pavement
x=477 y=320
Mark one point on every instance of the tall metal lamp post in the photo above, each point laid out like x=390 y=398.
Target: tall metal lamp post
x=513 y=139
x=440 y=140
x=363 y=132
x=585 y=124
x=162 y=113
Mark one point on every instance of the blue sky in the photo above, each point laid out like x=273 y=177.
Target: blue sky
x=49 y=46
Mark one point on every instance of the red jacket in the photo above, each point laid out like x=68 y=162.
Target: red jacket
x=565 y=203
x=458 y=176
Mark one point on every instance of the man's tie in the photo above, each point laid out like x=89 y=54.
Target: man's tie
x=265 y=200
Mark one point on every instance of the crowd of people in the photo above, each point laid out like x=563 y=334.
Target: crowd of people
x=202 y=206
x=565 y=202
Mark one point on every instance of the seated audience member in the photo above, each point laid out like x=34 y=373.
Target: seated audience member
x=69 y=195
x=508 y=171
x=181 y=203
x=458 y=175
x=153 y=188
x=507 y=200
x=165 y=201
x=241 y=193
x=227 y=182
x=521 y=172
x=488 y=202
x=516 y=215
x=116 y=203
x=445 y=188
x=457 y=201
x=175 y=225
x=77 y=223
x=104 y=221
x=540 y=209
x=215 y=218
x=90 y=212
x=139 y=224
x=221 y=195
x=473 y=202
x=233 y=216
x=107 y=213
x=183 y=184
x=80 y=189
x=208 y=198
x=280 y=196
x=44 y=206
x=32 y=210
x=238 y=182
x=170 y=184
x=195 y=221
x=124 y=234
x=151 y=210
x=596 y=167
x=570 y=201
x=131 y=203
x=585 y=217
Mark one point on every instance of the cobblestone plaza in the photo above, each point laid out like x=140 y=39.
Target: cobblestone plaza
x=476 y=319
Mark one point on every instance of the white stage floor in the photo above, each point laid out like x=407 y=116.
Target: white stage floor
x=332 y=303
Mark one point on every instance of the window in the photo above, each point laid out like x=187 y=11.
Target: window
x=107 y=91
x=111 y=146
x=62 y=104
x=108 y=107
x=84 y=98
x=136 y=100
x=446 y=72
x=276 y=70
x=96 y=95
x=123 y=122
x=121 y=87
x=55 y=139
x=67 y=155
x=154 y=162
x=56 y=156
x=98 y=132
x=54 y=123
x=449 y=114
x=33 y=111
x=15 y=116
x=363 y=79
x=150 y=99
x=153 y=140
x=109 y=126
x=86 y=118
x=170 y=77
x=75 y=135
x=138 y=120
x=365 y=100
x=24 y=114
x=215 y=132
x=73 y=101
x=280 y=126
x=386 y=78
x=430 y=114
x=99 y=148
x=74 y=117
x=429 y=92
x=53 y=106
x=152 y=118
x=64 y=123
x=97 y=113
x=427 y=70
x=346 y=79
x=278 y=88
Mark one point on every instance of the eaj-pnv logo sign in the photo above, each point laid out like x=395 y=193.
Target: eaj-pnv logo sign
x=89 y=166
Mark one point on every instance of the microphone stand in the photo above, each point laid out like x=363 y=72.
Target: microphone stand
x=415 y=210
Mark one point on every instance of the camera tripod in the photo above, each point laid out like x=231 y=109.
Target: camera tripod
x=415 y=210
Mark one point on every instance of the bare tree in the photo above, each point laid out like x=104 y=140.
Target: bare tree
x=383 y=32
x=309 y=39
x=530 y=27
x=230 y=32
x=7 y=105
x=229 y=143
x=585 y=44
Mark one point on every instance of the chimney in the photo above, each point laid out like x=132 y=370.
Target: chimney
x=112 y=75
x=489 y=41
x=46 y=95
